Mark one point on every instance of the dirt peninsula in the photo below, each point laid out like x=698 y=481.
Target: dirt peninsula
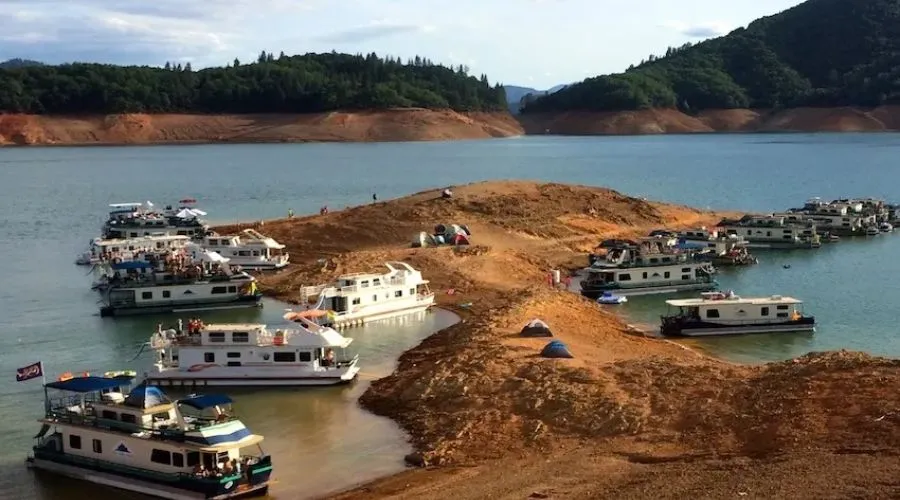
x=629 y=417
x=364 y=126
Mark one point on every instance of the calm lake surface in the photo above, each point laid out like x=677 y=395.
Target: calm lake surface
x=54 y=199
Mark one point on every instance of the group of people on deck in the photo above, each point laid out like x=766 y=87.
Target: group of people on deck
x=224 y=468
x=195 y=325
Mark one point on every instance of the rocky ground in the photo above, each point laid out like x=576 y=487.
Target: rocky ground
x=630 y=416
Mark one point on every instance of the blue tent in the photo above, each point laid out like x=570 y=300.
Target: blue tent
x=556 y=349
x=90 y=384
x=146 y=396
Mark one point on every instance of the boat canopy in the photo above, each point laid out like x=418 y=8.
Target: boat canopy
x=125 y=205
x=90 y=384
x=204 y=401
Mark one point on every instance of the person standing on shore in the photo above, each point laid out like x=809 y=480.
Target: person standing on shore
x=374 y=197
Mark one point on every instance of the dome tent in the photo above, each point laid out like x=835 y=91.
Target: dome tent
x=556 y=349
x=146 y=396
x=536 y=328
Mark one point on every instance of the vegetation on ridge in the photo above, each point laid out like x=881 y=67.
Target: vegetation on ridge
x=819 y=53
x=287 y=84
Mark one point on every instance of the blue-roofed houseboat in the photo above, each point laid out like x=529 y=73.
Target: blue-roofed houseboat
x=97 y=430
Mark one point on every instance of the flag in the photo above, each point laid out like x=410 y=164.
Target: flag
x=29 y=372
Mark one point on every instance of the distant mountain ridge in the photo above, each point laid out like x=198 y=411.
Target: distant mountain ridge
x=821 y=53
x=19 y=63
x=515 y=94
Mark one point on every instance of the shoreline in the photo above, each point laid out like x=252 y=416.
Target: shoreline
x=414 y=124
x=647 y=412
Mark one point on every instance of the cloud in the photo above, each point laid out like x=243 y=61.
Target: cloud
x=133 y=31
x=699 y=30
x=372 y=31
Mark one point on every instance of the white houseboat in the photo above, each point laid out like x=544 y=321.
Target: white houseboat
x=177 y=282
x=252 y=355
x=103 y=250
x=719 y=313
x=134 y=220
x=650 y=266
x=362 y=297
x=773 y=232
x=145 y=443
x=720 y=249
x=250 y=249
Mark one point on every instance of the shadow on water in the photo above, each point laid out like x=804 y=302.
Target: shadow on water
x=320 y=439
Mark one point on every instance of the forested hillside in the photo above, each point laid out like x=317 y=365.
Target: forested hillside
x=284 y=84
x=819 y=53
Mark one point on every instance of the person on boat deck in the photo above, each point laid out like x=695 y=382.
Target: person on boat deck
x=329 y=358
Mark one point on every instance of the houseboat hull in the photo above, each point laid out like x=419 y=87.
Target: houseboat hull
x=709 y=329
x=356 y=319
x=245 y=302
x=220 y=378
x=595 y=293
x=777 y=245
x=130 y=483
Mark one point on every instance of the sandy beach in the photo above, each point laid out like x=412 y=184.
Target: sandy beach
x=629 y=416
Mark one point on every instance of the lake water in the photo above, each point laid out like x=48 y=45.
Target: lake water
x=54 y=199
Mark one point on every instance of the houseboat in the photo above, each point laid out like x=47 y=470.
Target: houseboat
x=777 y=232
x=252 y=355
x=103 y=250
x=359 y=298
x=250 y=249
x=189 y=279
x=720 y=249
x=135 y=220
x=95 y=430
x=720 y=313
x=650 y=266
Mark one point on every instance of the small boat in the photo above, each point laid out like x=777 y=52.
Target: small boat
x=611 y=299
x=724 y=313
x=96 y=430
x=872 y=231
x=886 y=227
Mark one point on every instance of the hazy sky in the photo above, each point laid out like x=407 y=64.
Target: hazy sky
x=536 y=43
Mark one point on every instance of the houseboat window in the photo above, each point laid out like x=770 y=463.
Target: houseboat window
x=783 y=308
x=667 y=259
x=161 y=456
x=364 y=283
x=356 y=301
x=193 y=458
x=305 y=356
x=764 y=311
x=749 y=232
x=209 y=357
x=232 y=289
x=256 y=253
x=374 y=298
x=233 y=363
x=177 y=460
x=625 y=277
x=654 y=260
x=109 y=415
x=685 y=276
x=128 y=418
x=169 y=277
x=244 y=253
x=240 y=337
x=233 y=355
x=782 y=315
x=788 y=231
x=219 y=290
x=134 y=235
x=217 y=336
x=412 y=291
x=644 y=275
x=376 y=282
x=74 y=442
x=398 y=293
x=712 y=313
x=147 y=295
x=768 y=233
x=98 y=446
x=666 y=274
x=685 y=269
x=166 y=294
x=284 y=357
x=786 y=237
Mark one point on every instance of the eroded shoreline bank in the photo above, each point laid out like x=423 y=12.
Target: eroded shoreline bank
x=479 y=404
x=421 y=125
